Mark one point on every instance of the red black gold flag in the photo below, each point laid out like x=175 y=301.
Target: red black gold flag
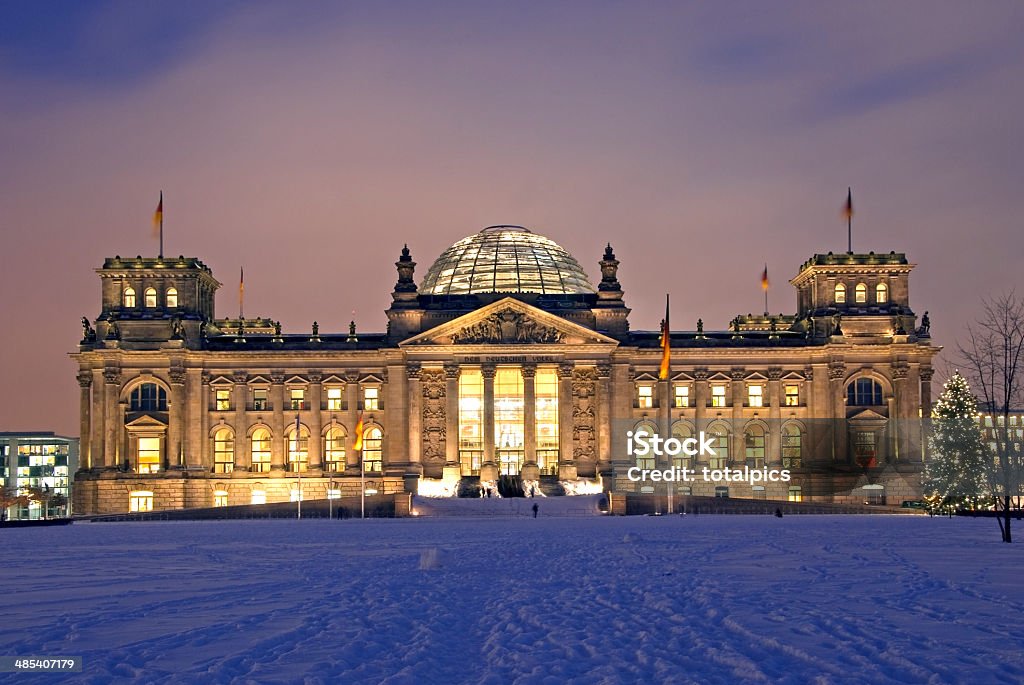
x=666 y=345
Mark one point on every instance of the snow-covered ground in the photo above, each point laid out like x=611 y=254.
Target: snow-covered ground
x=706 y=599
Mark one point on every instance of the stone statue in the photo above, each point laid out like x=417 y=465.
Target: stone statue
x=926 y=326
x=700 y=326
x=774 y=328
x=113 y=332
x=736 y=325
x=277 y=329
x=837 y=321
x=203 y=332
x=177 y=330
x=316 y=329
x=88 y=334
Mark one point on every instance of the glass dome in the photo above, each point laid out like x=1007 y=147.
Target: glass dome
x=505 y=259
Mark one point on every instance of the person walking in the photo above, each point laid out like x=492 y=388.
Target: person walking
x=536 y=508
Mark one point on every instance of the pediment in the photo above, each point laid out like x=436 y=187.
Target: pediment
x=509 y=322
x=866 y=416
x=719 y=376
x=145 y=422
x=646 y=376
x=295 y=380
x=756 y=376
x=793 y=376
x=258 y=380
x=333 y=380
x=222 y=380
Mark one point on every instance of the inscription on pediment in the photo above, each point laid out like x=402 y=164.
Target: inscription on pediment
x=507 y=326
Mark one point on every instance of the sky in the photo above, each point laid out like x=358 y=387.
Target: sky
x=308 y=141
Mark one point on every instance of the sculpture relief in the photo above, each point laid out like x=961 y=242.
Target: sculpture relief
x=433 y=386
x=507 y=326
x=584 y=415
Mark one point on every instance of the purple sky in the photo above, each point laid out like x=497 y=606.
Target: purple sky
x=309 y=141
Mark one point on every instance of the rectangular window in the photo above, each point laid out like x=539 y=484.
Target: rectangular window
x=795 y=494
x=759 y=492
x=718 y=396
x=509 y=417
x=260 y=454
x=220 y=499
x=546 y=392
x=755 y=397
x=645 y=396
x=371 y=399
x=792 y=395
x=149 y=455
x=223 y=399
x=140 y=501
x=297 y=397
x=682 y=395
x=259 y=399
x=334 y=400
x=258 y=497
x=471 y=420
x=722 y=491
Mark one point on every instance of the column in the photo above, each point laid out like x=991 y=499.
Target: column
x=396 y=419
x=529 y=372
x=412 y=373
x=604 y=416
x=194 y=398
x=315 y=421
x=277 y=446
x=898 y=417
x=175 y=418
x=112 y=380
x=700 y=400
x=664 y=415
x=84 y=417
x=774 y=442
x=98 y=456
x=240 y=399
x=488 y=371
x=565 y=448
x=924 y=421
x=451 y=415
x=202 y=459
x=836 y=375
x=351 y=419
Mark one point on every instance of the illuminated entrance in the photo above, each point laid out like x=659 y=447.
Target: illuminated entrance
x=508 y=416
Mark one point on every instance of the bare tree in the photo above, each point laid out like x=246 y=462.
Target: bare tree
x=993 y=355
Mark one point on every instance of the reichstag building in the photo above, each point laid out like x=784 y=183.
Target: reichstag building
x=504 y=359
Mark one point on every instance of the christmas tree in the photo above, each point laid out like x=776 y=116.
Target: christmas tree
x=955 y=474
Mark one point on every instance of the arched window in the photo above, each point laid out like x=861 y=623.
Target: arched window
x=881 y=293
x=259 y=451
x=148 y=397
x=298 y=450
x=644 y=459
x=864 y=392
x=753 y=439
x=373 y=449
x=792 y=446
x=223 y=451
x=720 y=442
x=681 y=432
x=150 y=297
x=840 y=293
x=334 y=449
x=860 y=293
x=172 y=298
x=129 y=297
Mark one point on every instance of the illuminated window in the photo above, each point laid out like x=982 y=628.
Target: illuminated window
x=149 y=455
x=874 y=494
x=795 y=493
x=150 y=297
x=860 y=293
x=223 y=396
x=546 y=390
x=148 y=397
x=333 y=493
x=296 y=495
x=509 y=415
x=864 y=392
x=645 y=396
x=864 y=447
x=129 y=297
x=223 y=451
x=334 y=400
x=298 y=449
x=220 y=498
x=297 y=397
x=792 y=446
x=682 y=396
x=371 y=399
x=718 y=396
x=753 y=438
x=881 y=293
x=988 y=421
x=840 y=293
x=140 y=500
x=172 y=298
x=334 y=449
x=258 y=497
x=720 y=444
x=259 y=451
x=373 y=446
x=755 y=396
x=259 y=399
x=792 y=395
x=471 y=420
x=645 y=461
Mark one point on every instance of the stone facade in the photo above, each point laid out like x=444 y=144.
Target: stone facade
x=196 y=410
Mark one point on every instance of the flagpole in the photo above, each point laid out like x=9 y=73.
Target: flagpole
x=849 y=220
x=161 y=224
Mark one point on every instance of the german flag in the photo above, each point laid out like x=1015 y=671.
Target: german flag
x=358 y=444
x=848 y=207
x=666 y=345
x=764 y=279
x=158 y=216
